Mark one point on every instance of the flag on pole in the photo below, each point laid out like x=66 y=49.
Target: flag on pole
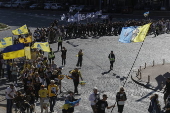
x=126 y=34
x=146 y=14
x=140 y=33
x=43 y=46
x=14 y=51
x=21 y=30
x=7 y=41
x=63 y=17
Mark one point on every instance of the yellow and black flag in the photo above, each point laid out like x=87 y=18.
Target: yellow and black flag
x=21 y=30
x=26 y=40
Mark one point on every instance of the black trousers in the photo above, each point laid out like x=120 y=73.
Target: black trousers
x=63 y=61
x=59 y=45
x=111 y=64
x=51 y=59
x=9 y=75
x=75 y=86
x=79 y=62
x=69 y=110
x=120 y=108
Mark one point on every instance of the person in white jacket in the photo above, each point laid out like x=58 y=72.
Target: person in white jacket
x=94 y=98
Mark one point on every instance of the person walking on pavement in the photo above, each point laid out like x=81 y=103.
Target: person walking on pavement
x=167 y=89
x=60 y=41
x=121 y=98
x=101 y=105
x=10 y=92
x=63 y=55
x=80 y=58
x=94 y=98
x=76 y=74
x=154 y=106
x=112 y=59
x=52 y=91
x=43 y=94
x=51 y=55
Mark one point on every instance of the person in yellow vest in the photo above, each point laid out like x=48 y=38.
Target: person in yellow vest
x=52 y=91
x=43 y=94
x=51 y=55
x=60 y=40
x=112 y=59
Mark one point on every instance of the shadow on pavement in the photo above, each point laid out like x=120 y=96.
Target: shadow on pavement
x=161 y=80
x=2 y=105
x=106 y=72
x=149 y=94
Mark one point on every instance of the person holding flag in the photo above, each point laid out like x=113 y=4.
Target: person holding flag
x=76 y=74
x=70 y=103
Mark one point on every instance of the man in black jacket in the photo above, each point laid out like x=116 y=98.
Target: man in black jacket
x=112 y=59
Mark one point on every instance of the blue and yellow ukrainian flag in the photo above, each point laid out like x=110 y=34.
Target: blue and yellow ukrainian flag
x=21 y=30
x=7 y=41
x=14 y=51
x=126 y=34
x=43 y=46
x=140 y=33
x=146 y=14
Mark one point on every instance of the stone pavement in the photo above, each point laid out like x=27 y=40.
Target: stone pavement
x=95 y=69
x=153 y=77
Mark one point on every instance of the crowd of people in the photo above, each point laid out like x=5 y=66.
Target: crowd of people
x=92 y=29
x=41 y=77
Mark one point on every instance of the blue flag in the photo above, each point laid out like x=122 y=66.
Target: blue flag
x=126 y=34
x=146 y=14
